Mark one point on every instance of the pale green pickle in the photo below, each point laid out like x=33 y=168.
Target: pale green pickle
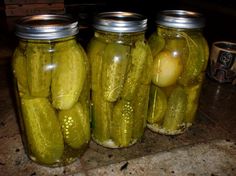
x=122 y=123
x=138 y=59
x=140 y=104
x=156 y=43
x=116 y=58
x=69 y=74
x=75 y=126
x=43 y=132
x=175 y=113
x=38 y=60
x=157 y=105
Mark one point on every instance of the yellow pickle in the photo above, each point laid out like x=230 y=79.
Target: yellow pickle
x=180 y=55
x=51 y=75
x=121 y=63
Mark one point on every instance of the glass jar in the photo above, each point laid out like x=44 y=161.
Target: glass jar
x=51 y=70
x=121 y=62
x=180 y=56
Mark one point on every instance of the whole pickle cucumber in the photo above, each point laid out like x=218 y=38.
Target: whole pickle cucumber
x=114 y=68
x=140 y=104
x=156 y=43
x=193 y=94
x=69 y=74
x=19 y=69
x=176 y=108
x=101 y=115
x=147 y=74
x=138 y=59
x=194 y=61
x=122 y=123
x=43 y=131
x=75 y=126
x=157 y=105
x=38 y=69
x=95 y=53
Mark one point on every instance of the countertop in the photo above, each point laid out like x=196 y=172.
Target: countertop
x=207 y=148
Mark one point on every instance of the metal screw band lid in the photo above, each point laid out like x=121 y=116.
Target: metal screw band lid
x=46 y=26
x=180 y=19
x=124 y=22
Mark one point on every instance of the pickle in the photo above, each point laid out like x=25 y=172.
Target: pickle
x=116 y=58
x=156 y=43
x=95 y=54
x=176 y=108
x=69 y=74
x=138 y=59
x=193 y=93
x=75 y=126
x=19 y=70
x=146 y=75
x=166 y=69
x=195 y=61
x=157 y=105
x=122 y=123
x=140 y=104
x=177 y=46
x=38 y=69
x=43 y=130
x=102 y=115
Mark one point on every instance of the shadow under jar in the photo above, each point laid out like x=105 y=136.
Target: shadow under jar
x=51 y=70
x=180 y=56
x=121 y=61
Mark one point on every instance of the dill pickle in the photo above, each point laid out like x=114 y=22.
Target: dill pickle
x=69 y=74
x=157 y=105
x=116 y=58
x=138 y=59
x=140 y=104
x=102 y=115
x=19 y=69
x=43 y=131
x=193 y=93
x=95 y=53
x=175 y=112
x=122 y=123
x=38 y=71
x=75 y=126
x=194 y=61
x=156 y=43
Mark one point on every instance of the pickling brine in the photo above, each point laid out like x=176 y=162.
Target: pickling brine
x=51 y=76
x=121 y=62
x=180 y=56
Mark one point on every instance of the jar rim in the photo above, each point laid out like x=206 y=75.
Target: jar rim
x=46 y=26
x=181 y=19
x=119 y=21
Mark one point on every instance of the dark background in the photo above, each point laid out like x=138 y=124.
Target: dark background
x=220 y=14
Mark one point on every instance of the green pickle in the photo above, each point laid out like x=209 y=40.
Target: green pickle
x=114 y=70
x=69 y=75
x=180 y=59
x=122 y=123
x=75 y=126
x=38 y=58
x=138 y=59
x=43 y=131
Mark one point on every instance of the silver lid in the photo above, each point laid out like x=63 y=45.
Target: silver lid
x=46 y=26
x=120 y=22
x=180 y=19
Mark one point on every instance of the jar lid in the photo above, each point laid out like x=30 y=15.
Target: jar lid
x=120 y=22
x=180 y=19
x=46 y=26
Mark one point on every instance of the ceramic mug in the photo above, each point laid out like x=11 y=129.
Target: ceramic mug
x=222 y=63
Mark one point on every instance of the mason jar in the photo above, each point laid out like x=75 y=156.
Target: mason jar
x=52 y=88
x=180 y=55
x=121 y=62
